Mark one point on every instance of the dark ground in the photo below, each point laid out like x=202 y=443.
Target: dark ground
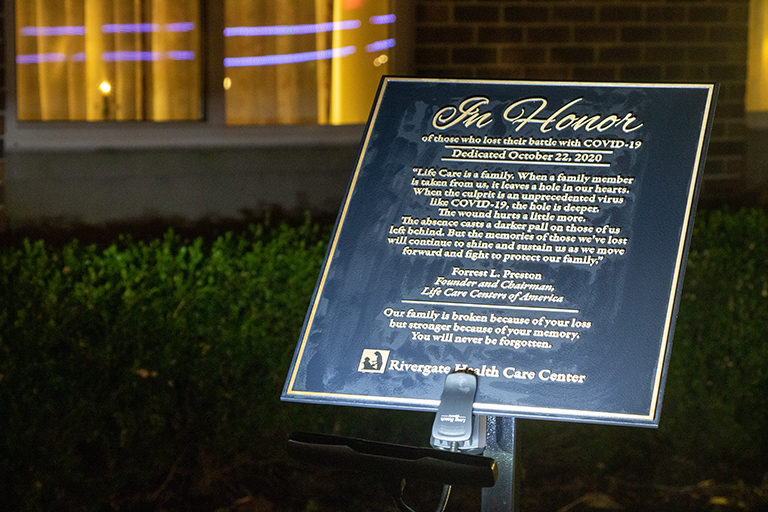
x=546 y=481
x=296 y=488
x=337 y=491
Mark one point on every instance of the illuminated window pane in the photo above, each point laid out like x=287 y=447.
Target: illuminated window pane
x=757 y=78
x=292 y=62
x=99 y=60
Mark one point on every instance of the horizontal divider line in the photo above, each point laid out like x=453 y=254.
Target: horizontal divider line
x=493 y=306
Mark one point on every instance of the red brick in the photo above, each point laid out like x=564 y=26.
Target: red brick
x=707 y=14
x=576 y=14
x=730 y=108
x=476 y=13
x=719 y=128
x=732 y=91
x=524 y=54
x=474 y=55
x=547 y=73
x=737 y=53
x=736 y=166
x=665 y=14
x=685 y=72
x=728 y=72
x=726 y=147
x=432 y=55
x=739 y=14
x=446 y=71
x=641 y=34
x=642 y=73
x=736 y=129
x=595 y=34
x=432 y=12
x=444 y=34
x=619 y=13
x=572 y=55
x=665 y=53
x=550 y=34
x=715 y=167
x=688 y=33
x=728 y=34
x=619 y=54
x=501 y=72
x=496 y=34
x=595 y=73
x=527 y=13
x=707 y=53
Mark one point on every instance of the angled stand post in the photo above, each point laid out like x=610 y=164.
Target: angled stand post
x=457 y=429
x=458 y=437
x=500 y=446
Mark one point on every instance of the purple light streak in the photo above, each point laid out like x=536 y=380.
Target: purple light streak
x=290 y=30
x=111 y=28
x=37 y=58
x=134 y=28
x=146 y=56
x=384 y=19
x=186 y=26
x=181 y=55
x=130 y=55
x=289 y=58
x=52 y=31
x=129 y=28
x=380 y=46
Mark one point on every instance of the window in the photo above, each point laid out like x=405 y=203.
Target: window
x=101 y=60
x=304 y=62
x=284 y=61
x=757 y=65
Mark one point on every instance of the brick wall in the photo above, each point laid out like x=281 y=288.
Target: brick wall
x=602 y=40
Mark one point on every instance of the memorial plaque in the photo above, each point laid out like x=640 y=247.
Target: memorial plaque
x=534 y=232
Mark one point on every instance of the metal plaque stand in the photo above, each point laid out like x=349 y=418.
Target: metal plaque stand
x=500 y=446
x=457 y=435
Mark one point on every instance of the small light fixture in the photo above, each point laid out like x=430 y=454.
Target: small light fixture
x=227 y=83
x=105 y=88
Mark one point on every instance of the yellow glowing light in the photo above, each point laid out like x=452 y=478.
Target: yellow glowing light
x=380 y=60
x=105 y=88
x=227 y=83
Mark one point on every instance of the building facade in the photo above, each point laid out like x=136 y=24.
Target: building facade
x=96 y=172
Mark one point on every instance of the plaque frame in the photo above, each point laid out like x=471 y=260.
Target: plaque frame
x=295 y=387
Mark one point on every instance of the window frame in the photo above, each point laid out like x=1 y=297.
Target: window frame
x=210 y=132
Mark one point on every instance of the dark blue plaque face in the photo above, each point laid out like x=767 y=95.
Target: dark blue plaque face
x=534 y=232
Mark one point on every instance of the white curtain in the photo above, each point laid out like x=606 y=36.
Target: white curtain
x=108 y=59
x=757 y=76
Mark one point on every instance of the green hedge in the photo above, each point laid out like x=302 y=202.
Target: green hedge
x=145 y=370
x=716 y=404
x=120 y=365
x=714 y=417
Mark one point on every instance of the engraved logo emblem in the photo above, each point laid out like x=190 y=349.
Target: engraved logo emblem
x=373 y=360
